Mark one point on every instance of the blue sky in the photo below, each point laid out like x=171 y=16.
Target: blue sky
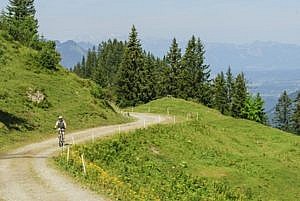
x=235 y=21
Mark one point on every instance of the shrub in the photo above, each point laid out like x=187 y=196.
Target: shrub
x=48 y=57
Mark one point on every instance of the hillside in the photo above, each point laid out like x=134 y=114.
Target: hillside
x=31 y=98
x=204 y=156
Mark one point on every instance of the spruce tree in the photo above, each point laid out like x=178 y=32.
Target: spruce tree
x=91 y=63
x=254 y=109
x=109 y=58
x=20 y=21
x=283 y=112
x=148 y=79
x=296 y=116
x=189 y=63
x=229 y=89
x=239 y=95
x=202 y=76
x=172 y=72
x=128 y=86
x=220 y=94
x=195 y=73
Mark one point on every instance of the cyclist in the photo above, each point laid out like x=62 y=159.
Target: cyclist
x=61 y=125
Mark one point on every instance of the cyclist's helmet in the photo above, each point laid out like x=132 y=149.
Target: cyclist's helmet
x=60 y=117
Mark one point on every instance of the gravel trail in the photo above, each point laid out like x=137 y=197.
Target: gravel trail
x=26 y=176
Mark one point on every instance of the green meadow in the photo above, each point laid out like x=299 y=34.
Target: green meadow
x=203 y=155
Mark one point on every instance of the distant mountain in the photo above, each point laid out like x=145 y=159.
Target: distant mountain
x=254 y=56
x=244 y=57
x=71 y=52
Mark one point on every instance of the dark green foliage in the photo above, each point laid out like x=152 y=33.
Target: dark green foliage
x=148 y=79
x=101 y=65
x=283 y=112
x=220 y=94
x=109 y=58
x=254 y=109
x=19 y=21
x=128 y=85
x=172 y=71
x=239 y=96
x=195 y=73
x=79 y=68
x=229 y=89
x=296 y=116
x=48 y=57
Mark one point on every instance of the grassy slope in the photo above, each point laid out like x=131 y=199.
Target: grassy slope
x=21 y=120
x=234 y=159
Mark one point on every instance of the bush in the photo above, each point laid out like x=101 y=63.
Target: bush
x=48 y=57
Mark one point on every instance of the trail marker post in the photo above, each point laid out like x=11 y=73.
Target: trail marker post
x=83 y=164
x=119 y=129
x=174 y=119
x=68 y=154
x=73 y=141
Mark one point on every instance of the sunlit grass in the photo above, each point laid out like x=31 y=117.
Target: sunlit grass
x=212 y=157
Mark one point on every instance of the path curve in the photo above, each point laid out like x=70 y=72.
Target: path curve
x=26 y=176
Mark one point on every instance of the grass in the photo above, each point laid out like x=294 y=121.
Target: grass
x=206 y=156
x=22 y=120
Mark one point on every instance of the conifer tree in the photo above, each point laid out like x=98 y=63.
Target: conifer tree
x=195 y=73
x=254 y=109
x=148 y=79
x=296 y=116
x=91 y=62
x=189 y=63
x=129 y=80
x=229 y=89
x=220 y=93
x=173 y=69
x=283 y=111
x=109 y=58
x=239 y=95
x=20 y=22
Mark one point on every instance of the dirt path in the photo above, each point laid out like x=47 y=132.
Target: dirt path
x=25 y=175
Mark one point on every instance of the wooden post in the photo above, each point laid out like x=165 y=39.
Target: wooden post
x=119 y=129
x=197 y=116
x=168 y=111
x=83 y=164
x=174 y=119
x=144 y=123
x=159 y=119
x=68 y=154
x=73 y=141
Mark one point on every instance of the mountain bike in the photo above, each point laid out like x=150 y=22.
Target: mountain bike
x=61 y=137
